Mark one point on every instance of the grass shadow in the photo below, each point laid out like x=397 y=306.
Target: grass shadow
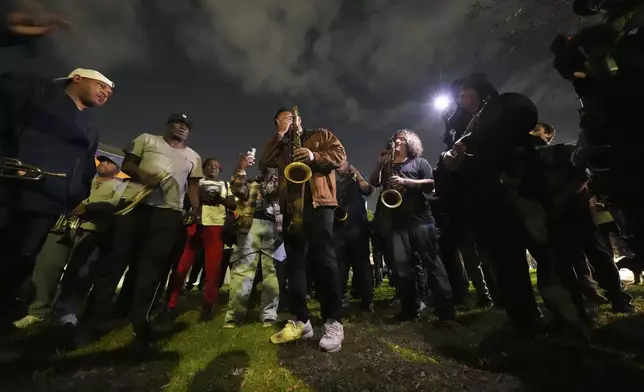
x=226 y=373
x=123 y=369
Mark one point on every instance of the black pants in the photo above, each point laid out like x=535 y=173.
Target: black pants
x=352 y=251
x=415 y=251
x=499 y=232
x=145 y=237
x=80 y=273
x=22 y=235
x=583 y=239
x=318 y=234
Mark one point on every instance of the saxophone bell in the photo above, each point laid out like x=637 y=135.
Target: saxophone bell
x=340 y=214
x=391 y=198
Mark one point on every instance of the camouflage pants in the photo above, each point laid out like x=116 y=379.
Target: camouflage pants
x=263 y=245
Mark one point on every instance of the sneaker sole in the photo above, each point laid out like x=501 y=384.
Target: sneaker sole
x=335 y=350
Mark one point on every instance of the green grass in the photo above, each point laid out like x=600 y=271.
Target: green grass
x=378 y=355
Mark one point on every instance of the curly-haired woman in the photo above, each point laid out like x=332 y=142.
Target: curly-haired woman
x=412 y=237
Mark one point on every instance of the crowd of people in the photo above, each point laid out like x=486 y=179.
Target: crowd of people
x=71 y=230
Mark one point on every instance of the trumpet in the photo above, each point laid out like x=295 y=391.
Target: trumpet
x=14 y=168
x=67 y=226
x=296 y=172
x=390 y=198
x=143 y=194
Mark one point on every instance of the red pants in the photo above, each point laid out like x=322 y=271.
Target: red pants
x=213 y=243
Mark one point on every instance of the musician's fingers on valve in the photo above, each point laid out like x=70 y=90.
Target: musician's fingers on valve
x=151 y=180
x=396 y=181
x=302 y=155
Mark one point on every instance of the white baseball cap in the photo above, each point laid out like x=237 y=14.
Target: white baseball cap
x=89 y=74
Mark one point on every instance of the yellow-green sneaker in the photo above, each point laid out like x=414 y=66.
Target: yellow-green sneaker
x=28 y=321
x=294 y=330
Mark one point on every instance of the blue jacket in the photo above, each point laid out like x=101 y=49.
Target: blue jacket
x=40 y=125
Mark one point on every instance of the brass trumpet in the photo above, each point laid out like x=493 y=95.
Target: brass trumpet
x=390 y=198
x=67 y=226
x=296 y=172
x=14 y=168
x=66 y=222
x=143 y=194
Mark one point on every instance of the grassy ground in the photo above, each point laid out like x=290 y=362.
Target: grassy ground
x=377 y=355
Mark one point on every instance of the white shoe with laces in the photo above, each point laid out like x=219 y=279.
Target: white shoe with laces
x=333 y=336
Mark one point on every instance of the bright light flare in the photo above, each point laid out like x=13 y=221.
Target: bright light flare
x=442 y=103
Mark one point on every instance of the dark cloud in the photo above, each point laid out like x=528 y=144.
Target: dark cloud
x=299 y=48
x=367 y=65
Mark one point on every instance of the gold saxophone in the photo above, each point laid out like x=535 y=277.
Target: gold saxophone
x=296 y=172
x=144 y=192
x=390 y=197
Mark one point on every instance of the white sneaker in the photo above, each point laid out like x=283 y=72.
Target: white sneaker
x=333 y=336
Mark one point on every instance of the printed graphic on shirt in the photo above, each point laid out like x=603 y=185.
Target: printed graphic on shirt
x=213 y=215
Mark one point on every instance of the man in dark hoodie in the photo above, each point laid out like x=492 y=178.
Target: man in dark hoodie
x=43 y=123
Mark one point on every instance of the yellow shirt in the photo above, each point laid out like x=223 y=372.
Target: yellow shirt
x=213 y=215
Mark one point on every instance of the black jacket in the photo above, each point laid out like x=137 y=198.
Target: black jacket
x=40 y=125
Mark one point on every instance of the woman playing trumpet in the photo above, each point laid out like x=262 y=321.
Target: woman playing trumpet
x=412 y=235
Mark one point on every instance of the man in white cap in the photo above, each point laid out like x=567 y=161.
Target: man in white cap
x=43 y=124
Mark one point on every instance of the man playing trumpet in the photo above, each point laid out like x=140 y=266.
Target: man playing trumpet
x=412 y=240
x=309 y=215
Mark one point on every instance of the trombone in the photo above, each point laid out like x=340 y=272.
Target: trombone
x=296 y=172
x=390 y=198
x=144 y=192
x=14 y=168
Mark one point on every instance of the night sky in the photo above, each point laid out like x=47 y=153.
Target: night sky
x=361 y=68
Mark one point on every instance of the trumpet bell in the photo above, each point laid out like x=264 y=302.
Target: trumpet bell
x=391 y=198
x=297 y=172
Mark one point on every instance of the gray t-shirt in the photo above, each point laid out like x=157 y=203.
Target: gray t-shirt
x=103 y=192
x=157 y=155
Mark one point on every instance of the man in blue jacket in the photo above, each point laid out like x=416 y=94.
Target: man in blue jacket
x=43 y=123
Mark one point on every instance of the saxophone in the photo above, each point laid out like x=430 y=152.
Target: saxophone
x=296 y=172
x=454 y=154
x=390 y=197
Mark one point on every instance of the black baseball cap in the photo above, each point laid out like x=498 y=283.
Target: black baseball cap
x=105 y=158
x=180 y=118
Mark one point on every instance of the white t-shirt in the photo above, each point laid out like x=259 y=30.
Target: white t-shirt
x=156 y=155
x=213 y=215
